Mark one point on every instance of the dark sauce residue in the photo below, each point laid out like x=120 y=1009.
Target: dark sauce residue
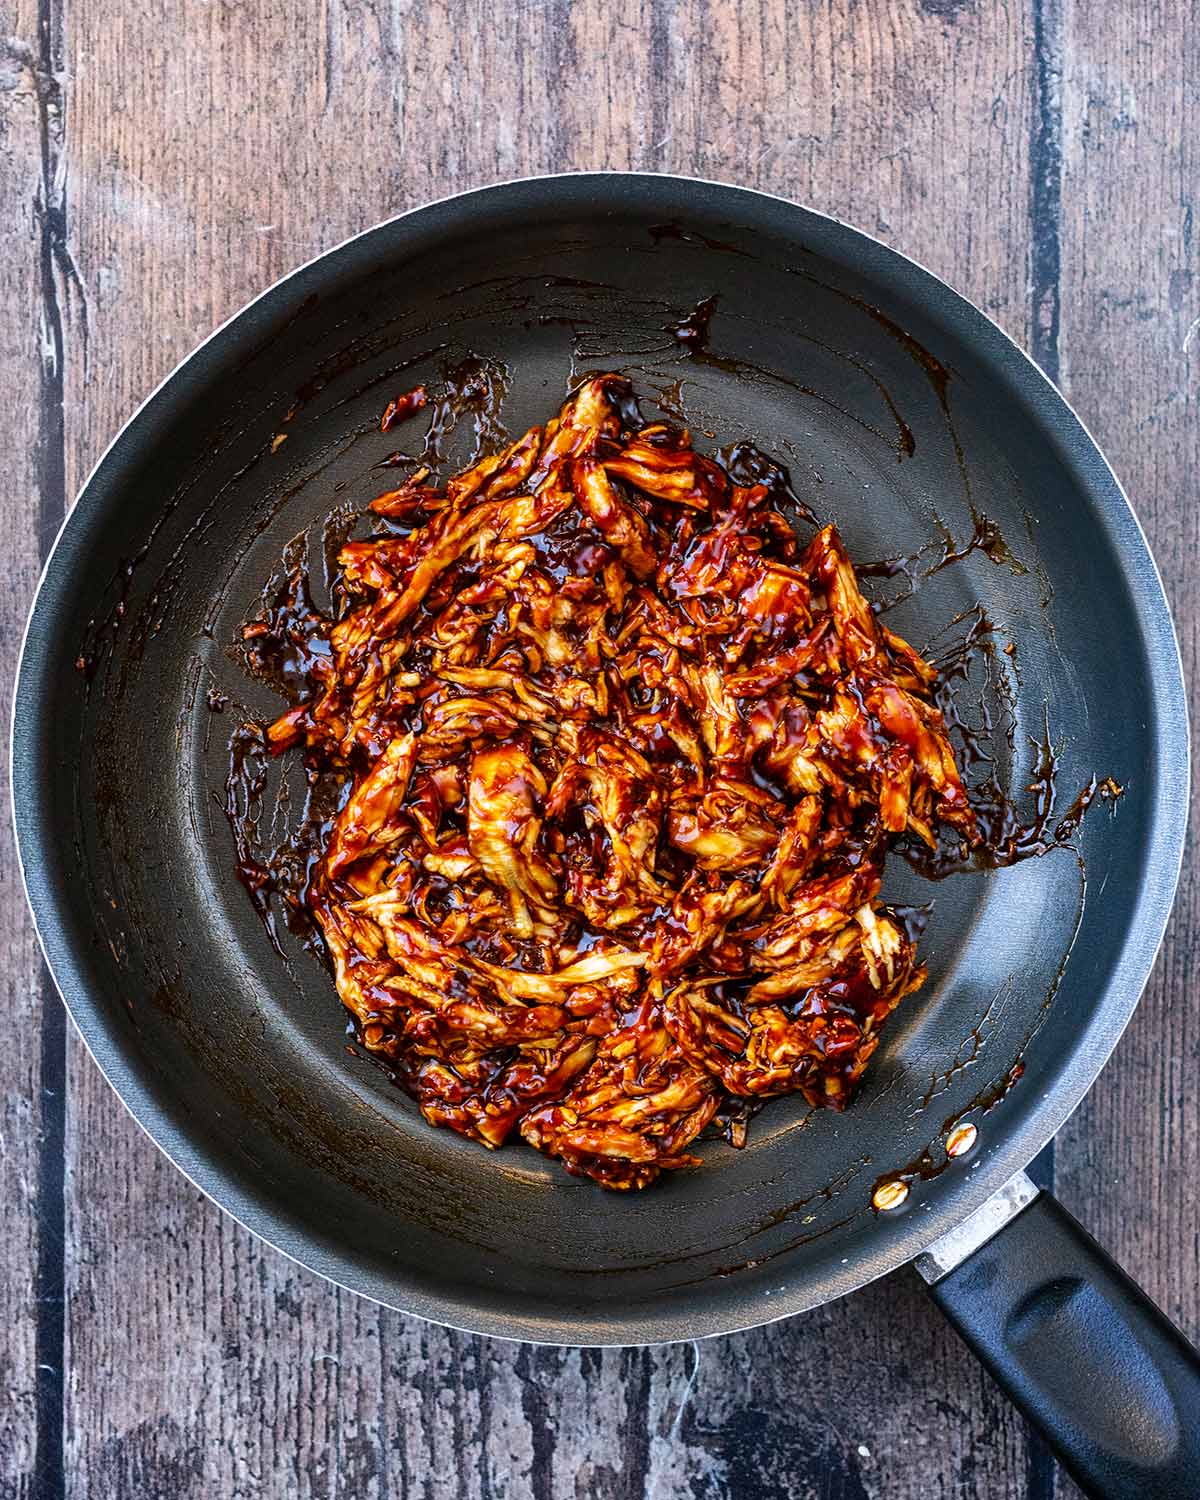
x=976 y=695
x=824 y=1194
x=103 y=630
x=669 y=400
x=747 y=465
x=282 y=644
x=660 y=232
x=472 y=386
x=280 y=873
x=400 y=408
x=475 y=386
x=934 y=1159
x=245 y=786
x=985 y=538
x=916 y=568
x=692 y=330
x=359 y=352
x=279 y=646
x=938 y=373
x=275 y=863
x=100 y=633
x=977 y=698
x=1009 y=836
x=904 y=566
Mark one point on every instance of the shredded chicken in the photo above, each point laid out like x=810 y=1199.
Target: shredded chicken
x=622 y=761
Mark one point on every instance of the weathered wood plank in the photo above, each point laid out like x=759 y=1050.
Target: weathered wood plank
x=1131 y=364
x=244 y=141
x=31 y=1082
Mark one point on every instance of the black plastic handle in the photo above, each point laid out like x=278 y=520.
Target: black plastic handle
x=1085 y=1354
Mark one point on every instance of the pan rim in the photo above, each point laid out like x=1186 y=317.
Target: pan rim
x=158 y=1116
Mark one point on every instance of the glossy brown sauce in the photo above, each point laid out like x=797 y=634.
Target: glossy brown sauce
x=705 y=565
x=283 y=646
x=985 y=538
x=692 y=330
x=277 y=866
x=402 y=407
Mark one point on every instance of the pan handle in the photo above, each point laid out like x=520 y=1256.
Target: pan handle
x=1111 y=1383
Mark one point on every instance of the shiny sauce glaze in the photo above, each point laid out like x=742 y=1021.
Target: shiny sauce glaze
x=602 y=768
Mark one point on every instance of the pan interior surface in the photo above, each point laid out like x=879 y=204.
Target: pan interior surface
x=903 y=416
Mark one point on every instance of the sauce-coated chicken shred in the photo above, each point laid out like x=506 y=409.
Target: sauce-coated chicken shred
x=623 y=761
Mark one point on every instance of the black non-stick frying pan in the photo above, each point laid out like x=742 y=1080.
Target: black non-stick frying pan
x=904 y=415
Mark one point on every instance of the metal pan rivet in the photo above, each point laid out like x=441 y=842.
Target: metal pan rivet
x=961 y=1139
x=889 y=1195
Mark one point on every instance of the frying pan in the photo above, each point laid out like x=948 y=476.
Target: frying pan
x=902 y=413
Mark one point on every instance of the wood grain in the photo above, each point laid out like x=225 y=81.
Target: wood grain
x=31 y=1081
x=250 y=137
x=1131 y=363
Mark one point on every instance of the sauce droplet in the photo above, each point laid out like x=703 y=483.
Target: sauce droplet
x=889 y=1195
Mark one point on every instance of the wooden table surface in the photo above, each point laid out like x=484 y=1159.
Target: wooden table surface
x=165 y=160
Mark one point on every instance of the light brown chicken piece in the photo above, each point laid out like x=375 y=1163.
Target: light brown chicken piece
x=503 y=824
